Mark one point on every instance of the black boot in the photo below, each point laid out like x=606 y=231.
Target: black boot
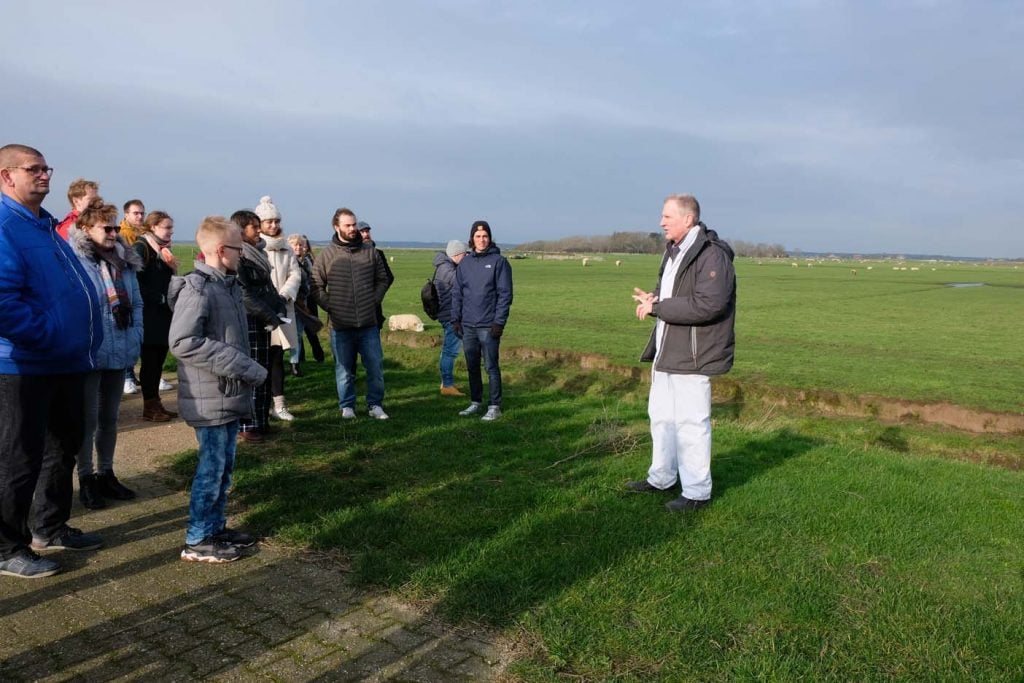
x=89 y=492
x=112 y=488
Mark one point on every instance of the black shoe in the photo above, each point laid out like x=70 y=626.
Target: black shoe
x=112 y=488
x=684 y=504
x=209 y=550
x=68 y=538
x=89 y=492
x=296 y=370
x=238 y=539
x=643 y=486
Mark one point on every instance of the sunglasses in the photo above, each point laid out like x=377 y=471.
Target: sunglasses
x=111 y=228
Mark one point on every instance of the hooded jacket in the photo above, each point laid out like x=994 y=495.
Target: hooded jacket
x=700 y=312
x=349 y=281
x=210 y=339
x=444 y=281
x=50 y=320
x=120 y=347
x=482 y=295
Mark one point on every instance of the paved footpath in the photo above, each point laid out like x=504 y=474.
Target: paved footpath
x=135 y=611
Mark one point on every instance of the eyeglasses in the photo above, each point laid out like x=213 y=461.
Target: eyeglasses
x=238 y=249
x=36 y=171
x=111 y=228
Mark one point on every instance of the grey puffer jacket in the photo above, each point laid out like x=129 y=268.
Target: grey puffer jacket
x=349 y=281
x=209 y=338
x=700 y=313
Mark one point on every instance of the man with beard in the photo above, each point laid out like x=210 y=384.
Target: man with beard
x=349 y=282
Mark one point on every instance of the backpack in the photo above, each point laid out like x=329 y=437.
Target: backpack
x=428 y=295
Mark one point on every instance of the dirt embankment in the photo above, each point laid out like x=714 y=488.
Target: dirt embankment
x=817 y=400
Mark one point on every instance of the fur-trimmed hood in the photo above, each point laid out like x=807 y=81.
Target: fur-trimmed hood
x=86 y=248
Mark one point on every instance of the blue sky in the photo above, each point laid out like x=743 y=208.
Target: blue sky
x=823 y=126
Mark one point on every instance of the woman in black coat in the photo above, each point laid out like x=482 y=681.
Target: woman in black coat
x=158 y=266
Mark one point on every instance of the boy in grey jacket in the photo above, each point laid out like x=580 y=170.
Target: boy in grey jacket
x=209 y=338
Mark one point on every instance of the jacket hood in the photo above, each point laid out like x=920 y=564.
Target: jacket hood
x=441 y=258
x=197 y=278
x=725 y=246
x=86 y=248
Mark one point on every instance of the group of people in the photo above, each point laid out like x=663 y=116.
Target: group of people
x=82 y=299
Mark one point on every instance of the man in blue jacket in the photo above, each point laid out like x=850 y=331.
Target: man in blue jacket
x=481 y=299
x=50 y=332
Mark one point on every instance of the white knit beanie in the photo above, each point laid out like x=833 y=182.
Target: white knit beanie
x=266 y=209
x=454 y=248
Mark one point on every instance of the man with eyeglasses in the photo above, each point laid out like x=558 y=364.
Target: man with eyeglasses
x=131 y=224
x=51 y=327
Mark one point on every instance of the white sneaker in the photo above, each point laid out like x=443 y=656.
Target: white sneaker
x=130 y=387
x=282 y=414
x=165 y=385
x=348 y=414
x=493 y=413
x=377 y=413
x=473 y=408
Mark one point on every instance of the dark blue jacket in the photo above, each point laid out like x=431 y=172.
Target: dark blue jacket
x=482 y=295
x=50 y=319
x=444 y=280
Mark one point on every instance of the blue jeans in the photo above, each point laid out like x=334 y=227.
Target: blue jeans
x=345 y=344
x=449 y=352
x=478 y=341
x=296 y=351
x=206 y=515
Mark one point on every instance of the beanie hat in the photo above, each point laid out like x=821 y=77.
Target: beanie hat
x=454 y=248
x=266 y=209
x=480 y=224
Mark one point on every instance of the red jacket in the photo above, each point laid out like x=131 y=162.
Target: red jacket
x=65 y=225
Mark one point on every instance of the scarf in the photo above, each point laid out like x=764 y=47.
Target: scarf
x=128 y=232
x=111 y=276
x=163 y=248
x=279 y=243
x=254 y=253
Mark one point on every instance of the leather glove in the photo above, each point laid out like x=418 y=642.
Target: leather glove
x=496 y=331
x=458 y=329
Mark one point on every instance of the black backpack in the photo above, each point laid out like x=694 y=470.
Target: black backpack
x=428 y=295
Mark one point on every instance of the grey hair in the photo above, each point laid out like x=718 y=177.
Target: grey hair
x=687 y=203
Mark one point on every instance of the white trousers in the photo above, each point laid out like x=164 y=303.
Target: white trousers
x=680 y=411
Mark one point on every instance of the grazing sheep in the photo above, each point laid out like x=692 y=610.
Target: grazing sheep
x=915 y=268
x=870 y=267
x=585 y=262
x=853 y=271
x=619 y=263
x=391 y=258
x=795 y=265
x=405 y=321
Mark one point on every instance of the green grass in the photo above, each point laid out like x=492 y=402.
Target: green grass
x=897 y=334
x=834 y=549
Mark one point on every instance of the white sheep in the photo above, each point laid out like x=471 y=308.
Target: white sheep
x=405 y=321
x=585 y=262
x=619 y=263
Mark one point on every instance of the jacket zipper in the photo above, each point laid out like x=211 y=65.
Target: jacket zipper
x=53 y=237
x=693 y=346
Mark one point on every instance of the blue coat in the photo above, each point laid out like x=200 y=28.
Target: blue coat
x=50 y=321
x=482 y=295
x=120 y=347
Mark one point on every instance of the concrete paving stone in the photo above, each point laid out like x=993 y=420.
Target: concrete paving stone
x=353 y=644
x=421 y=673
x=403 y=638
x=475 y=669
x=444 y=657
x=362 y=622
x=309 y=648
x=275 y=631
x=287 y=670
x=488 y=651
x=175 y=642
x=379 y=659
x=207 y=659
x=247 y=618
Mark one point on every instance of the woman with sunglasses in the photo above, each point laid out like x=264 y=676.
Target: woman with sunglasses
x=158 y=266
x=112 y=266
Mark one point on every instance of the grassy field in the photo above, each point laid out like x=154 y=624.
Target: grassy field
x=835 y=548
x=900 y=334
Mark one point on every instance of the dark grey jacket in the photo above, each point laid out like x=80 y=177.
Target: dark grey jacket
x=349 y=281
x=209 y=338
x=700 y=312
x=444 y=281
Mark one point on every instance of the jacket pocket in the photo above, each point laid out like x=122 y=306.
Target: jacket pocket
x=229 y=387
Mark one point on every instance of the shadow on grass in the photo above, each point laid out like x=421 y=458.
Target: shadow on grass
x=493 y=518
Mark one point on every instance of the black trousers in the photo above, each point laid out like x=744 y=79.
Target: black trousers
x=259 y=349
x=276 y=371
x=41 y=430
x=151 y=368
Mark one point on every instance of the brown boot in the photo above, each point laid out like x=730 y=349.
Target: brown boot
x=153 y=411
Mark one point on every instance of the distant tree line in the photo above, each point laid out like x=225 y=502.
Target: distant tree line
x=638 y=243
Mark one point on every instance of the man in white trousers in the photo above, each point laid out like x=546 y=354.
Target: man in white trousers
x=693 y=340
